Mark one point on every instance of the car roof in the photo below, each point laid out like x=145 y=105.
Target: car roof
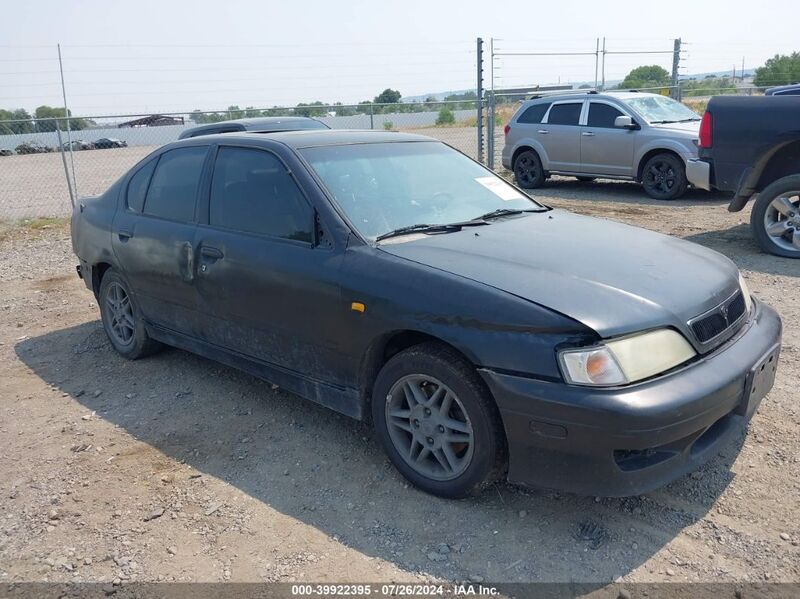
x=309 y=138
x=579 y=96
x=264 y=123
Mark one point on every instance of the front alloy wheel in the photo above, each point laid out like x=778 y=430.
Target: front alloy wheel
x=438 y=422
x=664 y=177
x=429 y=427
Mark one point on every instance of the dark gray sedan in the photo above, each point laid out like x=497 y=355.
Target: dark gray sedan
x=388 y=276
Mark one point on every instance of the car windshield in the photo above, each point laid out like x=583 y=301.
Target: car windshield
x=383 y=187
x=660 y=109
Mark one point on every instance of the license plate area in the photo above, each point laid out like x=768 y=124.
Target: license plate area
x=759 y=381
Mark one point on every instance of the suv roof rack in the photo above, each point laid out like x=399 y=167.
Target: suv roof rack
x=563 y=92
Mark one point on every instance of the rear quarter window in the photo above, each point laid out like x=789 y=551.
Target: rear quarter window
x=534 y=114
x=137 y=186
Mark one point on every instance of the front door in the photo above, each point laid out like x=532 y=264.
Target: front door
x=153 y=238
x=267 y=291
x=606 y=149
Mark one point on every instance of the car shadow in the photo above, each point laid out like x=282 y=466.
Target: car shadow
x=624 y=192
x=738 y=244
x=329 y=472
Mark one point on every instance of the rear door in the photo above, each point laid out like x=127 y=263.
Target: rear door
x=606 y=149
x=153 y=237
x=560 y=135
x=267 y=290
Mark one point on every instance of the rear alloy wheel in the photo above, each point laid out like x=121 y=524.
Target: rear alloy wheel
x=438 y=422
x=775 y=218
x=664 y=177
x=528 y=170
x=121 y=319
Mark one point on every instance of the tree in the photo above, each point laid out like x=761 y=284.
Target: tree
x=388 y=96
x=313 y=109
x=781 y=69
x=445 y=117
x=48 y=112
x=20 y=114
x=646 y=76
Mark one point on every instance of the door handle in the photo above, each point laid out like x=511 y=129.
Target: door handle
x=587 y=134
x=124 y=235
x=211 y=252
x=543 y=131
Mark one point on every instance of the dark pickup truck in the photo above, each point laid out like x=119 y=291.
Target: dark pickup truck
x=751 y=146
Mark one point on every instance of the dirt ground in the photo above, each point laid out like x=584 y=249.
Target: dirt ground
x=177 y=468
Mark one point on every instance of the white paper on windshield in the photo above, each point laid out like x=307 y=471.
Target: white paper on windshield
x=499 y=188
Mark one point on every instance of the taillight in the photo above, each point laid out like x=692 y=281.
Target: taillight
x=506 y=129
x=705 y=131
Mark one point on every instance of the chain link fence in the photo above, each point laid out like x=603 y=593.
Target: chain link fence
x=35 y=174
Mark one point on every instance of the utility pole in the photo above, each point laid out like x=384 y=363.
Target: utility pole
x=603 y=68
x=66 y=114
x=479 y=116
x=596 y=59
x=675 y=91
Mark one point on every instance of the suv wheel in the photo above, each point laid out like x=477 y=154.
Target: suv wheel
x=437 y=422
x=122 y=321
x=664 y=177
x=775 y=218
x=528 y=170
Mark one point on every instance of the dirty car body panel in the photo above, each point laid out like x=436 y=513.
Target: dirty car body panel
x=507 y=295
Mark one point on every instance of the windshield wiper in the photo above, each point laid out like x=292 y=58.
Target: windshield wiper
x=502 y=212
x=425 y=228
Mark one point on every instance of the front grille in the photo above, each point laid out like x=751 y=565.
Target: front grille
x=720 y=319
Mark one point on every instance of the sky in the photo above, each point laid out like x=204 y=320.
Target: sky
x=124 y=57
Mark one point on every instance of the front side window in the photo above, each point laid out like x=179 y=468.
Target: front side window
x=137 y=186
x=252 y=192
x=565 y=114
x=602 y=115
x=173 y=190
x=385 y=186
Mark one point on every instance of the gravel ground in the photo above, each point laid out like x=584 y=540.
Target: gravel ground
x=176 y=468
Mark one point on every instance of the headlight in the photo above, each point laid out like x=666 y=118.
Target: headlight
x=748 y=301
x=625 y=360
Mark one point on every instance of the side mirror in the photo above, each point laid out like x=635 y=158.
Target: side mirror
x=624 y=122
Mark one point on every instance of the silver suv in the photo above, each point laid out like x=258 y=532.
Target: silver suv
x=614 y=135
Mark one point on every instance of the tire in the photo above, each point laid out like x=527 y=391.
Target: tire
x=434 y=370
x=664 y=177
x=528 y=171
x=586 y=179
x=123 y=326
x=783 y=237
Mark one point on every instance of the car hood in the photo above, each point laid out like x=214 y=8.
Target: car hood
x=690 y=128
x=614 y=278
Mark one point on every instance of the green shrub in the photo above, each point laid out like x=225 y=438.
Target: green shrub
x=388 y=125
x=446 y=116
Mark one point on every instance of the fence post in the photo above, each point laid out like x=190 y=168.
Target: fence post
x=675 y=91
x=479 y=114
x=64 y=162
x=371 y=115
x=490 y=109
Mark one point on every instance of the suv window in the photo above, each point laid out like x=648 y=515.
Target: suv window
x=565 y=114
x=534 y=114
x=252 y=192
x=602 y=115
x=173 y=189
x=137 y=186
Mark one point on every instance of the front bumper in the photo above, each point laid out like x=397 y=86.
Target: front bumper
x=630 y=440
x=698 y=172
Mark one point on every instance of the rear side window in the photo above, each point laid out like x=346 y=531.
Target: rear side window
x=565 y=114
x=252 y=192
x=602 y=115
x=173 y=190
x=534 y=114
x=137 y=186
